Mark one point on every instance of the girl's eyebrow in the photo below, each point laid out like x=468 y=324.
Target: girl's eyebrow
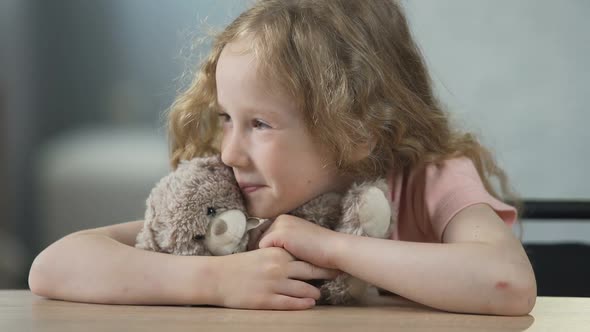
x=256 y=111
x=221 y=107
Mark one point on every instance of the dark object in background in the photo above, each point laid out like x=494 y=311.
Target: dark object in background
x=561 y=269
x=556 y=209
x=3 y=155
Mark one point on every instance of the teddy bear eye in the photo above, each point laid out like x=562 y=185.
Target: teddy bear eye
x=211 y=211
x=199 y=237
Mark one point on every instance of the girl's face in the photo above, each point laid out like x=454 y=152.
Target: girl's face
x=266 y=142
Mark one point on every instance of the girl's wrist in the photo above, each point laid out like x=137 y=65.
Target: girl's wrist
x=204 y=280
x=337 y=252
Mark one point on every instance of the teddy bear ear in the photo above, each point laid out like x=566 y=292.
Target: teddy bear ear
x=211 y=163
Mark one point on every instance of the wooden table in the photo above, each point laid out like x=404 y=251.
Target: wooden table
x=23 y=311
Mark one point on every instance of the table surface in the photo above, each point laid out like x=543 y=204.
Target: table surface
x=20 y=310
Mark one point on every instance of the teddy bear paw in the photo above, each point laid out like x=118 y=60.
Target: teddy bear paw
x=374 y=212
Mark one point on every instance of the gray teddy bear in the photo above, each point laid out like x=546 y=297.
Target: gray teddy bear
x=198 y=209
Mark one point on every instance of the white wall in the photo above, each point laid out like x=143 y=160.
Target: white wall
x=517 y=73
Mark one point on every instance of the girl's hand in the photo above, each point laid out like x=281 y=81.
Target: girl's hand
x=269 y=278
x=303 y=239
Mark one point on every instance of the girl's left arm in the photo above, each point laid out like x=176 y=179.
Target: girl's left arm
x=479 y=268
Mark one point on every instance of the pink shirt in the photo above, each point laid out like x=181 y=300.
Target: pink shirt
x=427 y=199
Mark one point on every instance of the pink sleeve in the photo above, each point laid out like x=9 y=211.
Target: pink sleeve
x=453 y=186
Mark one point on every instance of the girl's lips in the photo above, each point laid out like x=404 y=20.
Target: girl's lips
x=250 y=189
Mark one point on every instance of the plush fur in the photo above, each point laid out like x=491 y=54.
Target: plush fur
x=178 y=218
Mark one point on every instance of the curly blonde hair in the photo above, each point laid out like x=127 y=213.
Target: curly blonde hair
x=357 y=75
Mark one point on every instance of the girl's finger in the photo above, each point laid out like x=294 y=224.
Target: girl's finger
x=298 y=289
x=302 y=270
x=283 y=302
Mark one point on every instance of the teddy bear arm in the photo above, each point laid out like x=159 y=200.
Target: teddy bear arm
x=145 y=240
x=324 y=210
x=149 y=233
x=345 y=289
x=367 y=211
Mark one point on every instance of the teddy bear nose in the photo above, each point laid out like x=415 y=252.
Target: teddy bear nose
x=220 y=227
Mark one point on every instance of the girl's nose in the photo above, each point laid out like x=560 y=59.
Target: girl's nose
x=233 y=151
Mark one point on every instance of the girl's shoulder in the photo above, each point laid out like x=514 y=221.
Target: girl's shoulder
x=426 y=199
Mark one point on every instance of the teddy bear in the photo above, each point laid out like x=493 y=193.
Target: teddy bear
x=198 y=209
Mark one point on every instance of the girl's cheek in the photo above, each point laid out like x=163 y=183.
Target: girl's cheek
x=268 y=147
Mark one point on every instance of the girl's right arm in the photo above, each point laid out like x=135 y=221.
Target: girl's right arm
x=102 y=266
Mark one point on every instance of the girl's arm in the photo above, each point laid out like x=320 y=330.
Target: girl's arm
x=102 y=266
x=481 y=267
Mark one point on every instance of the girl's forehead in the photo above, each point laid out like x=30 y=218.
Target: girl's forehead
x=241 y=45
x=240 y=87
x=244 y=55
x=235 y=60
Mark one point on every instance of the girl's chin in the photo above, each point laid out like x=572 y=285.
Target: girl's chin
x=261 y=212
x=267 y=209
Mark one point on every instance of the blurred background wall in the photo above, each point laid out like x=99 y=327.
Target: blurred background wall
x=84 y=86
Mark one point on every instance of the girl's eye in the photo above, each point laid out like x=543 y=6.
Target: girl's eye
x=260 y=125
x=224 y=117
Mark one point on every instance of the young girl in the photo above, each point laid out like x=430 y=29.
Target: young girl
x=302 y=97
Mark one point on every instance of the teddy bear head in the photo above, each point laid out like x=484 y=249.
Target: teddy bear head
x=197 y=210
